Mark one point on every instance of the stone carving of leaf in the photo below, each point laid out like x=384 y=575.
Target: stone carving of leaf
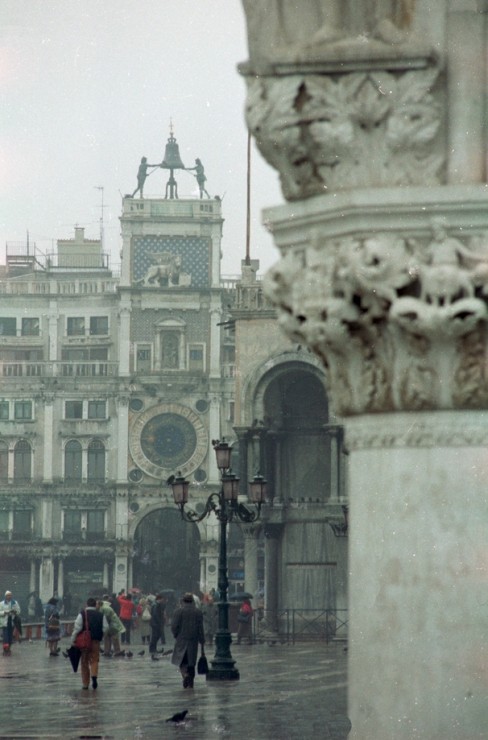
x=325 y=94
x=370 y=107
x=414 y=87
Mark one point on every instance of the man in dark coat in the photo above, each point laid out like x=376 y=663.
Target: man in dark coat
x=187 y=629
x=158 y=619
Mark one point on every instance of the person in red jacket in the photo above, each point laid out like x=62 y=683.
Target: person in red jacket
x=244 y=622
x=127 y=611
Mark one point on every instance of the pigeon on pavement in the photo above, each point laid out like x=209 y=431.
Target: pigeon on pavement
x=178 y=717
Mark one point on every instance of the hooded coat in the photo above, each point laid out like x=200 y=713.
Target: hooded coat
x=187 y=629
x=115 y=626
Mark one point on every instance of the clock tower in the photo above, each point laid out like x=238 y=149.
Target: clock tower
x=170 y=310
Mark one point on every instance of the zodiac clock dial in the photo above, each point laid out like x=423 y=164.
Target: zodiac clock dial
x=168 y=438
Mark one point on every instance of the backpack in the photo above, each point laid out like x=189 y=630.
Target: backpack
x=146 y=614
x=53 y=624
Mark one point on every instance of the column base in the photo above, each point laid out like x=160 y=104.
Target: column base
x=222 y=672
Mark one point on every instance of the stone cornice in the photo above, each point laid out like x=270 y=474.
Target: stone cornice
x=421 y=430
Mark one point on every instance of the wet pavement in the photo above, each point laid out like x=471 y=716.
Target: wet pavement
x=285 y=692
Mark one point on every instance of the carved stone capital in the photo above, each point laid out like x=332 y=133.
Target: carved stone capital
x=327 y=132
x=392 y=297
x=251 y=531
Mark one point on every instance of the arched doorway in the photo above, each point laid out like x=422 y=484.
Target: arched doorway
x=166 y=553
x=298 y=447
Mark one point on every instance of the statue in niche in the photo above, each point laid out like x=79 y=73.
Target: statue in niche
x=169 y=350
x=281 y=29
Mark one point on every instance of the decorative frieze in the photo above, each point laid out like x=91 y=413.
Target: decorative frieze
x=397 y=309
x=436 y=429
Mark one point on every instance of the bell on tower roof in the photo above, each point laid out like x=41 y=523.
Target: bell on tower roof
x=172 y=161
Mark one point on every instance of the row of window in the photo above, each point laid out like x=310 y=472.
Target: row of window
x=76 y=524
x=23 y=410
x=85 y=410
x=76 y=326
x=171 y=356
x=79 y=463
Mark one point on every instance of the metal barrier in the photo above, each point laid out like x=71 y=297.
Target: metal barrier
x=291 y=625
x=36 y=630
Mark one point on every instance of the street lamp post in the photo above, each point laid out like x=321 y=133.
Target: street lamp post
x=226 y=508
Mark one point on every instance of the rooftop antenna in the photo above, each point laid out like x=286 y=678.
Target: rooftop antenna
x=248 y=204
x=100 y=187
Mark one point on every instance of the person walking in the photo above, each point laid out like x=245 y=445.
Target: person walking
x=187 y=629
x=158 y=618
x=96 y=623
x=144 y=614
x=111 y=639
x=126 y=615
x=244 y=622
x=52 y=623
x=209 y=612
x=39 y=608
x=9 y=609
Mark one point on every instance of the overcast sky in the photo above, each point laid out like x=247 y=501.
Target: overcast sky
x=89 y=86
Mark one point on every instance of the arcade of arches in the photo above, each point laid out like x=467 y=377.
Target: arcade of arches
x=293 y=441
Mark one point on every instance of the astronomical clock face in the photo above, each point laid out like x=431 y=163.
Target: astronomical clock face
x=167 y=439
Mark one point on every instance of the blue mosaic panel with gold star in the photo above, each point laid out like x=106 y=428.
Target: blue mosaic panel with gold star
x=194 y=252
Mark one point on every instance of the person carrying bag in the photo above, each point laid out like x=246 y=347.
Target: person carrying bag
x=90 y=627
x=83 y=639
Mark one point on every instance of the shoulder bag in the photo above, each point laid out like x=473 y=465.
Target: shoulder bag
x=83 y=639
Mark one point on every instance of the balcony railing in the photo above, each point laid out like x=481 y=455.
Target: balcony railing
x=86 y=369
x=87 y=286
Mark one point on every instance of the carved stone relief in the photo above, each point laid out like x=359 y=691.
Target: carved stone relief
x=325 y=133
x=398 y=320
x=280 y=29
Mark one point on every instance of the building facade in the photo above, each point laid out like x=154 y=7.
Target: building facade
x=110 y=385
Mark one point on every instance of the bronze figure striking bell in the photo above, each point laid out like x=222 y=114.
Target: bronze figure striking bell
x=172 y=159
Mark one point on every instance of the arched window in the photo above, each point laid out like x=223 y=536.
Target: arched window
x=22 y=462
x=96 y=461
x=72 y=461
x=3 y=461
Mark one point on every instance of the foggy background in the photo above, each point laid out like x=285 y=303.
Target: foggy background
x=89 y=87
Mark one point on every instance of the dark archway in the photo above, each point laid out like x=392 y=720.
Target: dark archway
x=166 y=553
x=298 y=455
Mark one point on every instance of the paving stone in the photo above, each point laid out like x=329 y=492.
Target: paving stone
x=285 y=692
